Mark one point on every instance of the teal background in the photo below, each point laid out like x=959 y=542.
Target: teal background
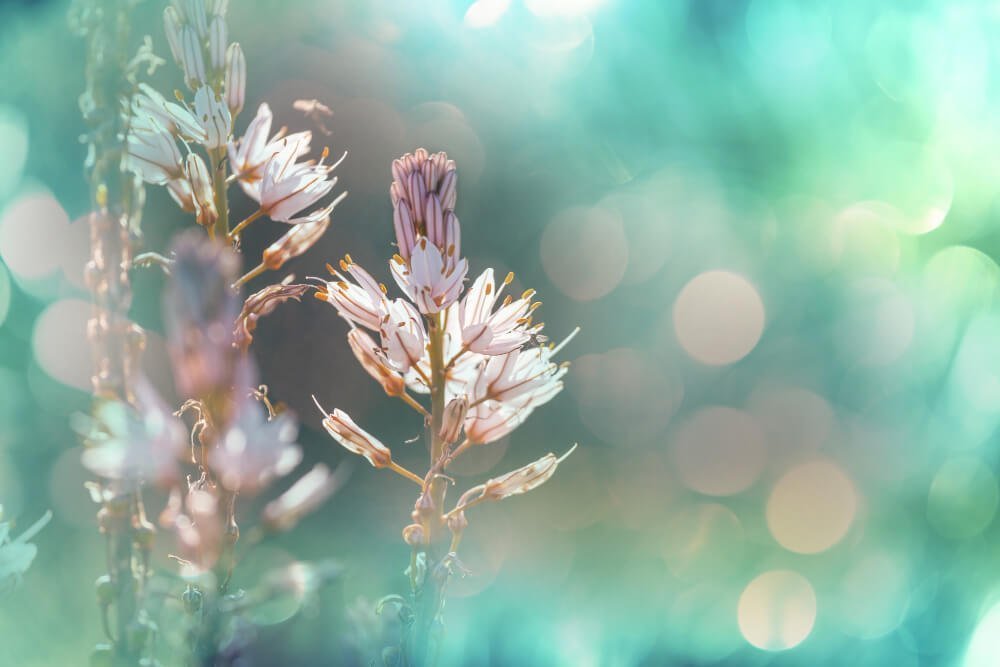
x=841 y=158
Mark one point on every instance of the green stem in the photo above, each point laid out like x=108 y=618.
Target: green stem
x=244 y=224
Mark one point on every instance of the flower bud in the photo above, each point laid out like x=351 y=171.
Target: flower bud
x=180 y=191
x=218 y=39
x=172 y=25
x=454 y=415
x=196 y=16
x=217 y=7
x=457 y=523
x=355 y=439
x=201 y=189
x=214 y=116
x=236 y=78
x=295 y=242
x=191 y=61
x=524 y=479
x=413 y=535
x=373 y=360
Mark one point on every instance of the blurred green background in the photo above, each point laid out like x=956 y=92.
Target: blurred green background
x=775 y=222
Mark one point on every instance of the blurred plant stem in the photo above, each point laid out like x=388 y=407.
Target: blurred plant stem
x=116 y=203
x=428 y=593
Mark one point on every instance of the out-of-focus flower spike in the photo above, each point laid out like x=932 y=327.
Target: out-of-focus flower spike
x=217 y=7
x=218 y=40
x=201 y=189
x=172 y=25
x=355 y=439
x=373 y=360
x=192 y=60
x=454 y=417
x=236 y=78
x=304 y=496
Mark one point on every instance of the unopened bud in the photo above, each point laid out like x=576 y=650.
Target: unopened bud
x=413 y=535
x=203 y=196
x=172 y=25
x=373 y=360
x=236 y=78
x=454 y=416
x=423 y=509
x=218 y=39
x=524 y=479
x=355 y=439
x=457 y=523
x=191 y=59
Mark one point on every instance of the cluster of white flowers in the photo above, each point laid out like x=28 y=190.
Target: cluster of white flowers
x=271 y=171
x=489 y=365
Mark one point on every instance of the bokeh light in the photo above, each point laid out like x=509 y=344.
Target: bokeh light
x=28 y=227
x=61 y=345
x=719 y=451
x=13 y=147
x=584 y=252
x=963 y=498
x=718 y=317
x=811 y=507
x=777 y=610
x=872 y=597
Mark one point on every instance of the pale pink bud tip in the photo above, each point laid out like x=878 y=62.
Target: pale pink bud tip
x=355 y=439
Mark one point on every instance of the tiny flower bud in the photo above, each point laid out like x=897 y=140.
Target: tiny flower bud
x=524 y=479
x=373 y=360
x=172 y=25
x=454 y=416
x=236 y=78
x=214 y=116
x=191 y=61
x=457 y=523
x=423 y=509
x=218 y=39
x=201 y=188
x=413 y=535
x=355 y=439
x=295 y=242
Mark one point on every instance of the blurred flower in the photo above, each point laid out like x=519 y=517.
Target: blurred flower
x=172 y=25
x=253 y=450
x=355 y=439
x=202 y=192
x=136 y=443
x=454 y=416
x=373 y=360
x=148 y=105
x=200 y=309
x=305 y=495
x=17 y=554
x=260 y=304
x=235 y=78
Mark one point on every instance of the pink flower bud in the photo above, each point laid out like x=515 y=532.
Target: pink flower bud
x=373 y=360
x=201 y=189
x=355 y=439
x=413 y=535
x=218 y=40
x=192 y=61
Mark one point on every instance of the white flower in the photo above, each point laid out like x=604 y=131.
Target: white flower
x=305 y=232
x=363 y=303
x=150 y=110
x=305 y=495
x=136 y=444
x=490 y=421
x=180 y=191
x=499 y=332
x=403 y=335
x=519 y=374
x=251 y=153
x=236 y=78
x=253 y=451
x=289 y=187
x=153 y=154
x=432 y=281
x=214 y=116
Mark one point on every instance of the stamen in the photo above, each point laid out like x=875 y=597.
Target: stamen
x=509 y=279
x=330 y=269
